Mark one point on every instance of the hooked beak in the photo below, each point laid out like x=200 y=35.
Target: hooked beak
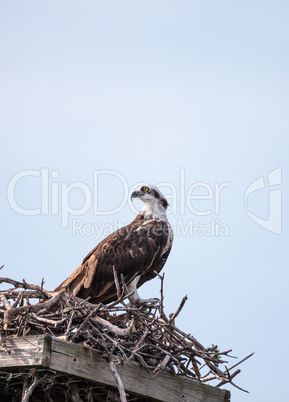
x=136 y=194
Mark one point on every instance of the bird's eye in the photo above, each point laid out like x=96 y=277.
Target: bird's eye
x=145 y=189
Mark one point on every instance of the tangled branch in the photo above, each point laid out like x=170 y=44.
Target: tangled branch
x=122 y=332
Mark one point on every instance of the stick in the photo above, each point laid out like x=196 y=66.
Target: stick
x=69 y=323
x=35 y=307
x=162 y=313
x=94 y=311
x=128 y=332
x=74 y=393
x=47 y=321
x=162 y=365
x=26 y=285
x=18 y=298
x=116 y=283
x=36 y=381
x=5 y=302
x=117 y=378
x=174 y=316
x=113 y=328
x=137 y=347
x=241 y=361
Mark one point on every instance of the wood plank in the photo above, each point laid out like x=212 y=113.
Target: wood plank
x=25 y=351
x=69 y=358
x=88 y=364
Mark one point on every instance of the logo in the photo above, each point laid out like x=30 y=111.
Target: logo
x=200 y=202
x=273 y=222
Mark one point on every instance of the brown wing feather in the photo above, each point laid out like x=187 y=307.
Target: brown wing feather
x=156 y=267
x=133 y=250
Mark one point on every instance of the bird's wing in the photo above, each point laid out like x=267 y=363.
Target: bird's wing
x=155 y=268
x=132 y=250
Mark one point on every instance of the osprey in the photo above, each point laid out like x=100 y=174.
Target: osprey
x=138 y=251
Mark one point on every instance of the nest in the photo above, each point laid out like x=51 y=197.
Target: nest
x=121 y=331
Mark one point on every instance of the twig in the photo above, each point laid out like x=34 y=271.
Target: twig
x=144 y=335
x=117 y=378
x=174 y=316
x=162 y=313
x=74 y=393
x=129 y=333
x=25 y=285
x=116 y=284
x=113 y=328
x=69 y=323
x=94 y=311
x=35 y=307
x=18 y=299
x=47 y=321
x=27 y=392
x=241 y=361
x=5 y=302
x=162 y=365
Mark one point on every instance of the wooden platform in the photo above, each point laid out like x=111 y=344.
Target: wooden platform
x=65 y=357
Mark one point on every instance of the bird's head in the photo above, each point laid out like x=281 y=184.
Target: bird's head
x=154 y=201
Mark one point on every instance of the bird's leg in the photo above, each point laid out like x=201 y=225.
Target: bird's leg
x=135 y=298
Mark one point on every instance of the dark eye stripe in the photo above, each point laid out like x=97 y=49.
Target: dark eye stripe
x=156 y=194
x=162 y=200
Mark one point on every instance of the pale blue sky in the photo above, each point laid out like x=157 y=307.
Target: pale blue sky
x=151 y=90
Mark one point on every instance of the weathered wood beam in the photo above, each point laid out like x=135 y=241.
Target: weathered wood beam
x=68 y=358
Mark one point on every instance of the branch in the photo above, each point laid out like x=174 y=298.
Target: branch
x=117 y=378
x=27 y=392
x=174 y=316
x=162 y=365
